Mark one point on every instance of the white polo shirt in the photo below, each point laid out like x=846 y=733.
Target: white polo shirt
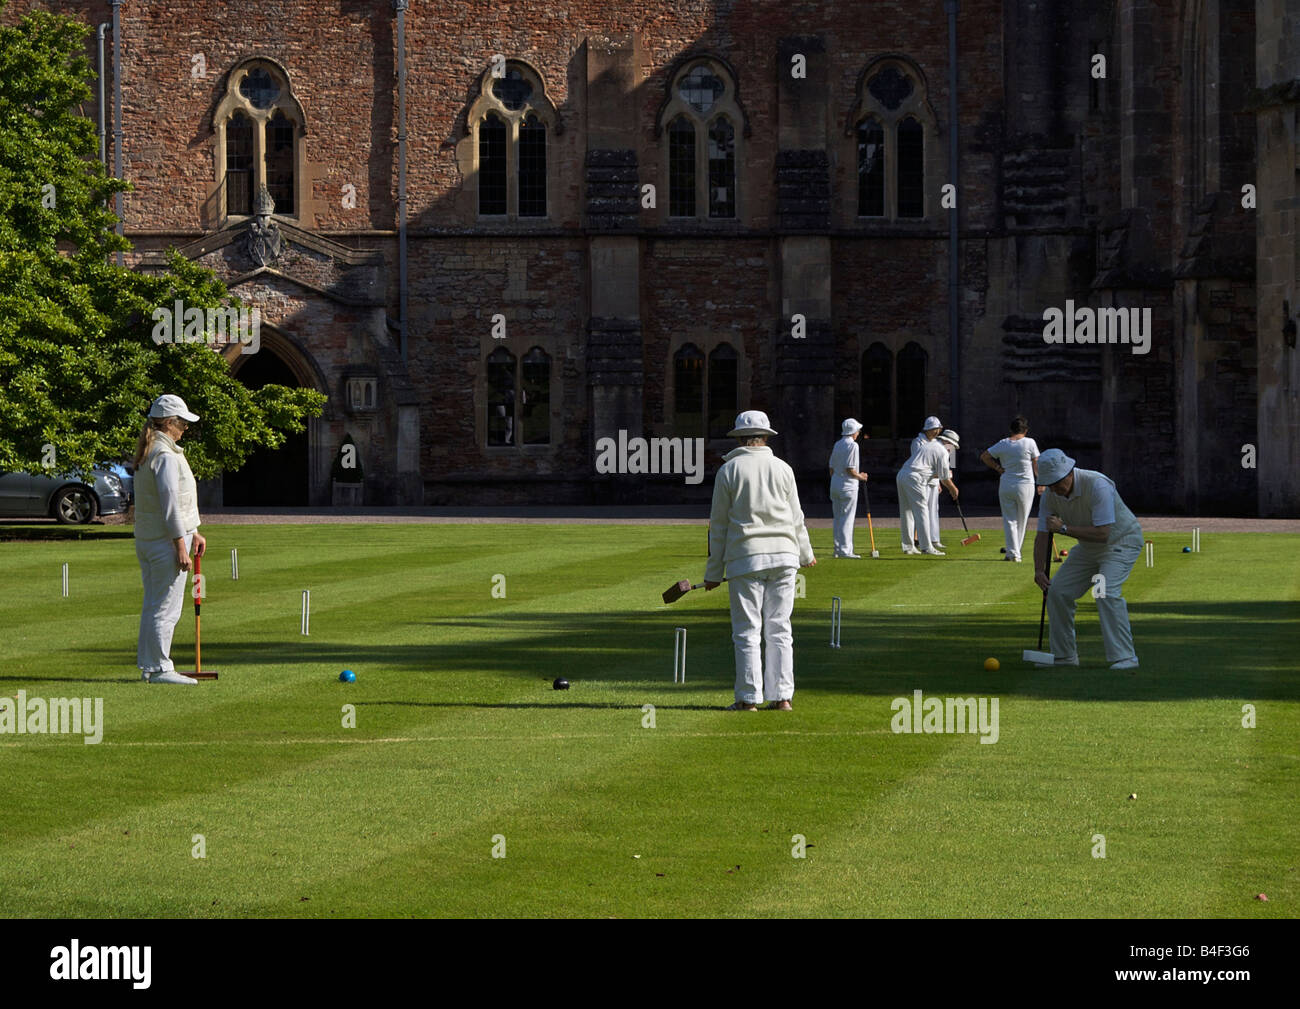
x=1093 y=501
x=928 y=463
x=844 y=457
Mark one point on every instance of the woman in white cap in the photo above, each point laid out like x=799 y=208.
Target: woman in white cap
x=757 y=539
x=1084 y=504
x=929 y=432
x=929 y=462
x=845 y=479
x=166 y=532
x=1015 y=457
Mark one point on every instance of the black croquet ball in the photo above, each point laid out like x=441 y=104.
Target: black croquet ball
x=560 y=683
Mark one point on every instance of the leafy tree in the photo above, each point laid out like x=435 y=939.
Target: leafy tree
x=78 y=365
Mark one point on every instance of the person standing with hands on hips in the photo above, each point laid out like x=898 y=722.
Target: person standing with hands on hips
x=1086 y=505
x=1015 y=458
x=166 y=532
x=844 y=486
x=757 y=540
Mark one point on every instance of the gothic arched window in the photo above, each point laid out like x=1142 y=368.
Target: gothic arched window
x=877 y=386
x=260 y=128
x=512 y=120
x=889 y=126
x=911 y=385
x=704 y=121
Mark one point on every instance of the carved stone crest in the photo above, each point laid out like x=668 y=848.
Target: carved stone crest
x=263 y=244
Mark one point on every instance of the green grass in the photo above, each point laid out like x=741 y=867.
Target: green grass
x=459 y=736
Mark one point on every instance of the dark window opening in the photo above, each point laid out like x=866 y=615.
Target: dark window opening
x=700 y=89
x=911 y=387
x=532 y=168
x=688 y=382
x=260 y=88
x=492 y=166
x=279 y=162
x=535 y=397
x=877 y=399
x=512 y=90
x=681 y=168
x=239 y=164
x=871 y=169
x=724 y=380
x=911 y=169
x=722 y=169
x=501 y=397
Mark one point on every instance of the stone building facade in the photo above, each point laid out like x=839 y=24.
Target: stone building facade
x=642 y=217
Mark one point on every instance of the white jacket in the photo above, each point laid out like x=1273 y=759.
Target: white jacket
x=755 y=511
x=166 y=497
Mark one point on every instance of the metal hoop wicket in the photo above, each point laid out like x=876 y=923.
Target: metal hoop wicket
x=679 y=655
x=836 y=604
x=234 y=565
x=1196 y=540
x=1151 y=554
x=306 y=611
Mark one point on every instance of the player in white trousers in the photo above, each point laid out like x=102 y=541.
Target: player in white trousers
x=1016 y=459
x=845 y=479
x=757 y=540
x=950 y=440
x=928 y=462
x=166 y=530
x=1084 y=504
x=930 y=430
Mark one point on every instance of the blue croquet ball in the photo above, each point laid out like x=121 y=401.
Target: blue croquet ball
x=1187 y=550
x=560 y=684
x=347 y=676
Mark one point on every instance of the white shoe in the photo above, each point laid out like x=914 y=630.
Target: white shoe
x=144 y=676
x=911 y=550
x=934 y=553
x=938 y=546
x=171 y=676
x=853 y=557
x=1129 y=663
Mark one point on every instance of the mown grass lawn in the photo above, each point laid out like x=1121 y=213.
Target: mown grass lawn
x=461 y=745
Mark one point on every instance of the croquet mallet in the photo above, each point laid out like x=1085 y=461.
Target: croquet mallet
x=970 y=537
x=197 y=589
x=870 y=528
x=1046 y=658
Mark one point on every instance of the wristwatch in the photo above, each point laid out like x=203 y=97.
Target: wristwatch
x=1064 y=528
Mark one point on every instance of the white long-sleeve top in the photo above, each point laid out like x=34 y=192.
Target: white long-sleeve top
x=844 y=457
x=166 y=496
x=756 y=521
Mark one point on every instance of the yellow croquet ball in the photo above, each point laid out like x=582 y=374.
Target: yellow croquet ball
x=992 y=665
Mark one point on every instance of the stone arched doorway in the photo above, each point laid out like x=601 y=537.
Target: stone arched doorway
x=277 y=478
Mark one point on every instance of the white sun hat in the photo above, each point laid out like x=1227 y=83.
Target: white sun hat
x=931 y=423
x=171 y=406
x=749 y=423
x=951 y=437
x=849 y=427
x=1053 y=466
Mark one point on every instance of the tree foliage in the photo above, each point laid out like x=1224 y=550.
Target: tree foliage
x=78 y=365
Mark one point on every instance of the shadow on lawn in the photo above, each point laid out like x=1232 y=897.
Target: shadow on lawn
x=1188 y=650
x=592 y=706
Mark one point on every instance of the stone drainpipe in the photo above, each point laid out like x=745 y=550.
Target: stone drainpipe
x=400 y=6
x=954 y=252
x=103 y=121
x=117 y=112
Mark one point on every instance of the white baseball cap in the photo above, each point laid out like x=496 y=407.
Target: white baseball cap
x=931 y=423
x=171 y=406
x=751 y=422
x=1053 y=466
x=849 y=427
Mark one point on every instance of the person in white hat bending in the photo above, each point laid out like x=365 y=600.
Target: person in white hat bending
x=845 y=479
x=166 y=532
x=950 y=440
x=930 y=430
x=757 y=539
x=1016 y=459
x=1084 y=504
x=928 y=463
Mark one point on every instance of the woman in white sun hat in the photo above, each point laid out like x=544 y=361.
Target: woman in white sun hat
x=929 y=462
x=166 y=532
x=1015 y=457
x=845 y=479
x=930 y=430
x=950 y=440
x=1084 y=504
x=757 y=540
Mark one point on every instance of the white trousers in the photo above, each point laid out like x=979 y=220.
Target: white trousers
x=1114 y=562
x=1017 y=500
x=914 y=510
x=933 y=502
x=164 y=596
x=844 y=502
x=761 y=605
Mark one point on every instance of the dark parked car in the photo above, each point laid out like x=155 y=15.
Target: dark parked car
x=71 y=498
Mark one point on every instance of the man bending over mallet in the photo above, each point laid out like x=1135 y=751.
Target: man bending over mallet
x=1085 y=504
